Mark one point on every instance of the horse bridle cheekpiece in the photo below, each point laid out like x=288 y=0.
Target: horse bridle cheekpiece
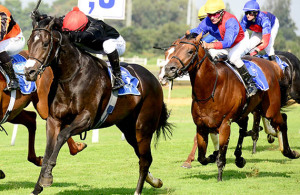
x=182 y=71
x=44 y=64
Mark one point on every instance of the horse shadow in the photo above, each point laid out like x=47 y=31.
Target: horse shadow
x=84 y=189
x=234 y=174
x=27 y=185
x=91 y=191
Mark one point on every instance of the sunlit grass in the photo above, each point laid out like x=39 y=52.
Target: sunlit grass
x=111 y=167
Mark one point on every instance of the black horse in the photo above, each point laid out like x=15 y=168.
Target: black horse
x=80 y=93
x=290 y=90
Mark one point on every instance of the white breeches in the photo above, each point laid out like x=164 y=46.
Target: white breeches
x=13 y=45
x=111 y=45
x=234 y=54
x=256 y=39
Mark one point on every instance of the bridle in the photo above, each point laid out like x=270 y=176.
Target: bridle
x=44 y=64
x=184 y=70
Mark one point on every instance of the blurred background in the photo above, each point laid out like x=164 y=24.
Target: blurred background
x=159 y=23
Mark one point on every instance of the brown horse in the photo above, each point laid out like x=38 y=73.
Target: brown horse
x=290 y=90
x=219 y=98
x=28 y=118
x=82 y=92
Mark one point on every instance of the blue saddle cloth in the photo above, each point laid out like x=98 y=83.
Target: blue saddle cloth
x=258 y=75
x=281 y=63
x=131 y=83
x=19 y=62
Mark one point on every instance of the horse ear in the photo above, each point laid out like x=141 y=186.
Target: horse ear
x=199 y=37
x=51 y=23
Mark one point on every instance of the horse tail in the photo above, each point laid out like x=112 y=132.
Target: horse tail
x=164 y=126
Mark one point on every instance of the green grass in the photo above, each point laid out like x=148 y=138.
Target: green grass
x=111 y=167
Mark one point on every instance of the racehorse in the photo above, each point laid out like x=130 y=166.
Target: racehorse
x=290 y=90
x=18 y=115
x=81 y=94
x=219 y=98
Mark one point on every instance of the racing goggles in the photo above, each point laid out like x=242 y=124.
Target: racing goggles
x=215 y=15
x=251 y=13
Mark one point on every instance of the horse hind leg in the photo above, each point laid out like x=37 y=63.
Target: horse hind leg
x=28 y=119
x=75 y=147
x=283 y=139
x=240 y=161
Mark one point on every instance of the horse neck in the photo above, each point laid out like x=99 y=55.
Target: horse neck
x=203 y=79
x=68 y=62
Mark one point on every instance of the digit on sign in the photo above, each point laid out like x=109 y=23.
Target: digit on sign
x=92 y=6
x=107 y=5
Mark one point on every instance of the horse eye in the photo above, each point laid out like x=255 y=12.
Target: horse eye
x=190 y=52
x=45 y=44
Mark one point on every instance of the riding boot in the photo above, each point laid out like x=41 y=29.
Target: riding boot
x=115 y=64
x=272 y=58
x=247 y=78
x=7 y=65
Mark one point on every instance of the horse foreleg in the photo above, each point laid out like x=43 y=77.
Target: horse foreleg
x=79 y=124
x=75 y=147
x=191 y=157
x=255 y=130
x=202 y=140
x=283 y=139
x=240 y=161
x=28 y=119
x=224 y=134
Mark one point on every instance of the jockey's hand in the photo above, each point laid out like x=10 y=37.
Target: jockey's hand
x=72 y=35
x=255 y=52
x=187 y=32
x=207 y=45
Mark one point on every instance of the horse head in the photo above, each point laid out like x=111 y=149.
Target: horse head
x=181 y=57
x=43 y=46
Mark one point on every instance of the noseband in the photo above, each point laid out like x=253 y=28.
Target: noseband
x=43 y=64
x=182 y=71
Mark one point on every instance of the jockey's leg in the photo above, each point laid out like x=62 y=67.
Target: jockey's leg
x=115 y=64
x=7 y=65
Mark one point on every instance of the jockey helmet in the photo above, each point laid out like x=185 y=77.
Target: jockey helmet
x=214 y=6
x=201 y=13
x=75 y=20
x=251 y=5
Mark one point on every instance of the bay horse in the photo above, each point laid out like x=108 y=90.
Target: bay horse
x=219 y=98
x=18 y=115
x=81 y=93
x=290 y=90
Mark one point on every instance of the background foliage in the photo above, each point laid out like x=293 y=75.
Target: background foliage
x=159 y=22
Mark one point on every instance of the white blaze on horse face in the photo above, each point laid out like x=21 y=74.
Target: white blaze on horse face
x=36 y=38
x=162 y=71
x=29 y=63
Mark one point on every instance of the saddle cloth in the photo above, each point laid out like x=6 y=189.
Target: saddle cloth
x=131 y=83
x=255 y=71
x=19 y=62
x=281 y=63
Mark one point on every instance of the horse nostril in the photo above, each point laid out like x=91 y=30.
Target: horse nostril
x=31 y=72
x=173 y=68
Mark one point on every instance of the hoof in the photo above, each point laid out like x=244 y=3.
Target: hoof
x=186 y=165
x=154 y=182
x=240 y=162
x=296 y=154
x=270 y=139
x=46 y=181
x=2 y=175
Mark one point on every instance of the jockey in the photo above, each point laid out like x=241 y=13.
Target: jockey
x=264 y=26
x=232 y=41
x=12 y=42
x=95 y=36
x=201 y=15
